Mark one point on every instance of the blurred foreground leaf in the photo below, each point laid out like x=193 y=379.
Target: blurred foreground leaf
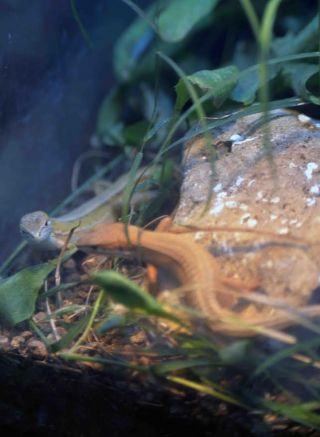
x=129 y=294
x=19 y=292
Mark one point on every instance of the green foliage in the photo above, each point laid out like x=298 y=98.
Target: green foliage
x=19 y=292
x=298 y=75
x=218 y=83
x=179 y=62
x=133 y=44
x=210 y=58
x=180 y=16
x=75 y=330
x=126 y=292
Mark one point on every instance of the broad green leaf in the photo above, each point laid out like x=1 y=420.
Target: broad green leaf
x=180 y=16
x=111 y=322
x=236 y=352
x=219 y=83
x=109 y=126
x=297 y=76
x=128 y=293
x=134 y=133
x=305 y=40
x=19 y=292
x=248 y=84
x=133 y=44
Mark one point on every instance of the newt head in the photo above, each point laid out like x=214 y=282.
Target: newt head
x=36 y=228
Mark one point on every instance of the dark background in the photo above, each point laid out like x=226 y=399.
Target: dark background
x=52 y=84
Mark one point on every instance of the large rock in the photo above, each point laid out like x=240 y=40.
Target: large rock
x=272 y=200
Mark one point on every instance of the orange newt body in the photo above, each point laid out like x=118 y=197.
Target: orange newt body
x=193 y=266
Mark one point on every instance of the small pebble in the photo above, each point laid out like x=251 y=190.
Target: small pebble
x=70 y=264
x=17 y=341
x=37 y=348
x=40 y=316
x=26 y=334
x=3 y=341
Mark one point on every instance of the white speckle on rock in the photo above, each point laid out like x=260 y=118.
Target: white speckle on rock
x=236 y=137
x=239 y=181
x=259 y=195
x=218 y=207
x=218 y=204
x=310 y=201
x=252 y=223
x=293 y=221
x=304 y=119
x=275 y=199
x=222 y=195
x=311 y=166
x=217 y=188
x=315 y=189
x=243 y=140
x=284 y=221
x=292 y=165
x=298 y=225
x=283 y=231
x=251 y=182
x=231 y=204
x=199 y=235
x=273 y=216
x=243 y=207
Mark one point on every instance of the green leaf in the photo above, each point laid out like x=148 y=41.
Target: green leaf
x=129 y=294
x=134 y=133
x=297 y=76
x=109 y=126
x=18 y=293
x=301 y=413
x=305 y=40
x=174 y=365
x=236 y=352
x=180 y=16
x=75 y=330
x=248 y=84
x=111 y=322
x=207 y=390
x=132 y=45
x=219 y=83
x=275 y=358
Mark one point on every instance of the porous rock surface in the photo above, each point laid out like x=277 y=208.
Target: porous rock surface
x=273 y=201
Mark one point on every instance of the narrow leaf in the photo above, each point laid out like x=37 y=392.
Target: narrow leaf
x=76 y=329
x=128 y=293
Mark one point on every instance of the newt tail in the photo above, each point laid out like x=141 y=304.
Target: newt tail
x=194 y=267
